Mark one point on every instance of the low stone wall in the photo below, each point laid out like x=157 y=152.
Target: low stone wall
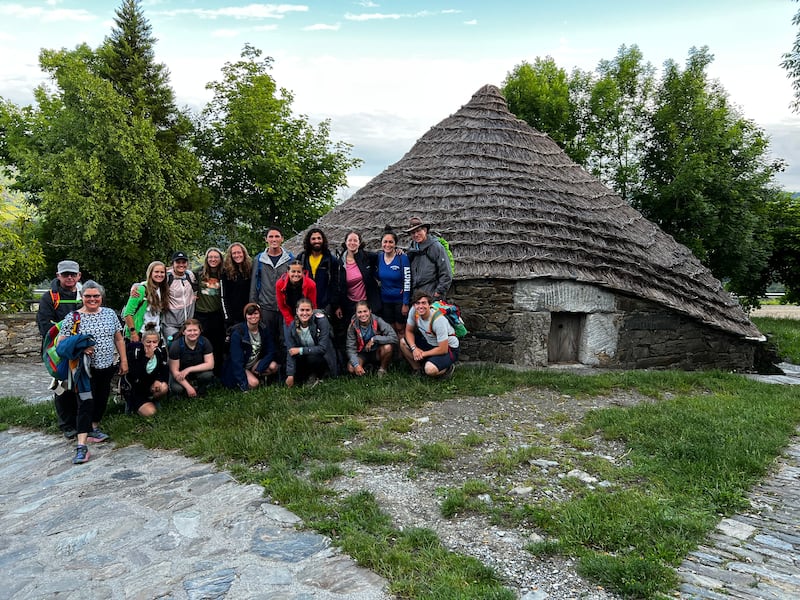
x=509 y=322
x=19 y=335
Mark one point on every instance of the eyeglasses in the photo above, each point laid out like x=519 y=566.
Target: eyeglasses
x=95 y=296
x=68 y=274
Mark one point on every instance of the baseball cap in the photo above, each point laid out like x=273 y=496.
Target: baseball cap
x=179 y=256
x=68 y=266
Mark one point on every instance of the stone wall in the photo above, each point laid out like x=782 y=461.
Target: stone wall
x=19 y=335
x=509 y=322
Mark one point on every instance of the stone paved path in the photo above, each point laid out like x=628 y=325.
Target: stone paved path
x=141 y=524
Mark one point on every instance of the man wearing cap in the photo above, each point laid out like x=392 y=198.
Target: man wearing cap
x=430 y=264
x=182 y=294
x=63 y=298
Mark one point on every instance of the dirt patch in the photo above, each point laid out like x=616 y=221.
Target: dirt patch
x=518 y=446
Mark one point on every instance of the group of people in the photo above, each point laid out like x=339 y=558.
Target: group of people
x=246 y=321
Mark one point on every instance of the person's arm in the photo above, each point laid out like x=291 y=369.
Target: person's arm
x=280 y=296
x=310 y=290
x=119 y=342
x=385 y=334
x=351 y=346
x=410 y=336
x=445 y=274
x=130 y=310
x=46 y=315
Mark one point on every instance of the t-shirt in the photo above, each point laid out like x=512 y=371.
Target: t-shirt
x=188 y=357
x=395 y=279
x=356 y=290
x=434 y=333
x=313 y=262
x=102 y=326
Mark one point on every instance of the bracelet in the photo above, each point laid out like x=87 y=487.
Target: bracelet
x=413 y=348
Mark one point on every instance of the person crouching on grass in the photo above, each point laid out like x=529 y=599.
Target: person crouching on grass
x=370 y=341
x=310 y=355
x=430 y=344
x=191 y=362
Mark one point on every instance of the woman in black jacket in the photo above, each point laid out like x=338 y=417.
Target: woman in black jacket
x=147 y=379
x=358 y=270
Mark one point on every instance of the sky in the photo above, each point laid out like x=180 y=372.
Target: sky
x=383 y=72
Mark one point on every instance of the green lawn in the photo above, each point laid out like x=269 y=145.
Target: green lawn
x=693 y=455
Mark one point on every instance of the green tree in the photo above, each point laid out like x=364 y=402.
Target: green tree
x=707 y=179
x=92 y=168
x=619 y=99
x=784 y=226
x=21 y=257
x=541 y=94
x=791 y=62
x=263 y=165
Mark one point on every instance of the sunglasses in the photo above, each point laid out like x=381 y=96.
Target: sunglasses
x=69 y=274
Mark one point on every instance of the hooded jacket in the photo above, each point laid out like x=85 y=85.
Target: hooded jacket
x=265 y=277
x=430 y=267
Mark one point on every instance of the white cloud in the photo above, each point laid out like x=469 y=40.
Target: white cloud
x=43 y=14
x=322 y=27
x=471 y=22
x=395 y=16
x=251 y=11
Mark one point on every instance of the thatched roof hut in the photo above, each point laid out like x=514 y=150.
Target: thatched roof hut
x=515 y=208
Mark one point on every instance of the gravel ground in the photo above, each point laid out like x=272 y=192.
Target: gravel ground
x=482 y=431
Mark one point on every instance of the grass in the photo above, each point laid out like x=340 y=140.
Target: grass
x=784 y=333
x=693 y=456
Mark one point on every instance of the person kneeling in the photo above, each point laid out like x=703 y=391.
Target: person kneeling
x=191 y=361
x=252 y=354
x=370 y=341
x=430 y=344
x=309 y=347
x=148 y=373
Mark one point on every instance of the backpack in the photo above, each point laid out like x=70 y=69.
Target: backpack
x=453 y=315
x=56 y=298
x=446 y=245
x=50 y=357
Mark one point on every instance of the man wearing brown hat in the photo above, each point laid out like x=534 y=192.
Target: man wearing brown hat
x=63 y=298
x=430 y=264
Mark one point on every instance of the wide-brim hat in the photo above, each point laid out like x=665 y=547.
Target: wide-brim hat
x=415 y=223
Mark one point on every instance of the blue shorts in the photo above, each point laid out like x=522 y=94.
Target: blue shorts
x=442 y=361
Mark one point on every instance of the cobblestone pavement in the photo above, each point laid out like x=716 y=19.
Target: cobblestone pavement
x=137 y=523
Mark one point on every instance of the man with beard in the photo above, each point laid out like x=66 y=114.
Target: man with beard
x=321 y=265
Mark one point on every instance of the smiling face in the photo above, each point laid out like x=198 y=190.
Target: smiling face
x=419 y=235
x=363 y=314
x=92 y=300
x=295 y=273
x=274 y=240
x=213 y=259
x=352 y=242
x=304 y=311
x=179 y=267
x=422 y=307
x=237 y=255
x=388 y=244
x=316 y=242
x=191 y=332
x=158 y=274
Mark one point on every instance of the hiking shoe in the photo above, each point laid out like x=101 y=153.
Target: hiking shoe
x=81 y=455
x=96 y=436
x=70 y=434
x=449 y=372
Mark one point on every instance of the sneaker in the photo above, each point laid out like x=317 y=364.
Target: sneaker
x=449 y=372
x=96 y=436
x=81 y=455
x=381 y=373
x=70 y=434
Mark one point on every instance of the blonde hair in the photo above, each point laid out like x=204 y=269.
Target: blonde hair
x=235 y=270
x=156 y=294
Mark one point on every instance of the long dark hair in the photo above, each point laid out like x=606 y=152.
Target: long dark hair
x=307 y=240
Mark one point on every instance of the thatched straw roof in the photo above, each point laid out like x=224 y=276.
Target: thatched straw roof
x=513 y=205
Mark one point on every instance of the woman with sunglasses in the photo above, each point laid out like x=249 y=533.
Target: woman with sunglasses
x=103 y=326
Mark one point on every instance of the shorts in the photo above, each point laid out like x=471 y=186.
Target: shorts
x=392 y=312
x=442 y=361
